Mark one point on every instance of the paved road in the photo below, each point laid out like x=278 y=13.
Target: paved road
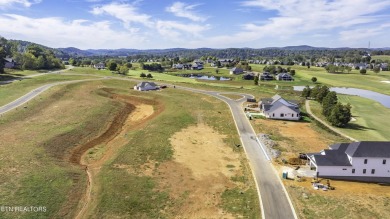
x=274 y=201
x=307 y=104
x=32 y=94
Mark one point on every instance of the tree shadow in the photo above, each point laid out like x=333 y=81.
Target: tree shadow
x=355 y=126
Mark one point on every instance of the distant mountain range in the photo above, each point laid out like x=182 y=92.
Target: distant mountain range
x=244 y=53
x=129 y=52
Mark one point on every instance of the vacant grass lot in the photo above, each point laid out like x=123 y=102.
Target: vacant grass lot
x=36 y=142
x=10 y=92
x=371 y=118
x=143 y=196
x=381 y=57
x=33 y=172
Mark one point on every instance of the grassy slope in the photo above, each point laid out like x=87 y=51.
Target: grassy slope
x=371 y=118
x=33 y=175
x=381 y=57
x=143 y=200
x=10 y=92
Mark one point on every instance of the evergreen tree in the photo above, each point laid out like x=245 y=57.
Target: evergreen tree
x=256 y=80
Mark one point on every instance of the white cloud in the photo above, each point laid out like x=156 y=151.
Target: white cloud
x=304 y=17
x=25 y=3
x=184 y=10
x=125 y=12
x=56 y=32
x=174 y=30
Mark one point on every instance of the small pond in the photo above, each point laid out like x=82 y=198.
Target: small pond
x=381 y=98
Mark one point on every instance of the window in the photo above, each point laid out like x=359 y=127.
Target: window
x=344 y=169
x=365 y=161
x=364 y=171
x=273 y=114
x=373 y=171
x=353 y=170
x=281 y=115
x=384 y=161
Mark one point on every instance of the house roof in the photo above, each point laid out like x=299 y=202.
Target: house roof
x=9 y=60
x=271 y=104
x=369 y=149
x=146 y=83
x=236 y=69
x=333 y=157
x=338 y=154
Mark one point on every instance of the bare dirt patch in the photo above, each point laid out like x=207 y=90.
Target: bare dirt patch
x=199 y=173
x=203 y=151
x=295 y=136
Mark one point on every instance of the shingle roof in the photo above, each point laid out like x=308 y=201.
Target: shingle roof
x=369 y=149
x=334 y=157
x=145 y=83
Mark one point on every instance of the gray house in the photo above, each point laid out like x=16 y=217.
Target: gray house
x=9 y=63
x=145 y=86
x=358 y=161
x=236 y=71
x=284 y=77
x=279 y=108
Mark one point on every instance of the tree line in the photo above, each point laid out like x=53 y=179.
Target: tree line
x=32 y=57
x=336 y=113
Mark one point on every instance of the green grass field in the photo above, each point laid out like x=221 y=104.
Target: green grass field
x=371 y=118
x=370 y=81
x=52 y=124
x=10 y=92
x=381 y=57
x=34 y=172
x=182 y=109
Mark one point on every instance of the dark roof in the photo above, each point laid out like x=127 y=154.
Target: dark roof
x=369 y=149
x=145 y=83
x=338 y=154
x=334 y=157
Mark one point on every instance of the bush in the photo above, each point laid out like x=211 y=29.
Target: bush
x=363 y=71
x=314 y=79
x=142 y=75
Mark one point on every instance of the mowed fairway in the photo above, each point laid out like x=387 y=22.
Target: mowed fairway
x=153 y=174
x=370 y=119
x=370 y=81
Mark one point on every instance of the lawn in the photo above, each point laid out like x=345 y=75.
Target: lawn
x=10 y=92
x=381 y=57
x=370 y=118
x=35 y=143
x=36 y=170
x=370 y=81
x=150 y=196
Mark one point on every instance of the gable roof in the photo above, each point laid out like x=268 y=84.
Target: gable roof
x=146 y=83
x=369 y=149
x=271 y=104
x=338 y=154
x=333 y=157
x=9 y=60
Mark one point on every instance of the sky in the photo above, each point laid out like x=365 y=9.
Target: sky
x=159 y=24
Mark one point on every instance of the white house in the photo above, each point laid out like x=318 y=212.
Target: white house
x=279 y=108
x=358 y=161
x=99 y=65
x=236 y=71
x=145 y=86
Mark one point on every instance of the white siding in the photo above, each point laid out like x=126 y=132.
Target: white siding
x=288 y=114
x=381 y=170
